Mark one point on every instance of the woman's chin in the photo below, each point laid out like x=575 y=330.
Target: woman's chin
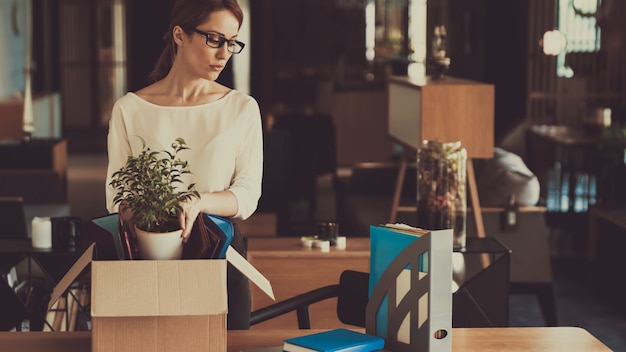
x=213 y=76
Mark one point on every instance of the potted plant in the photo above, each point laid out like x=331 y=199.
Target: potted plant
x=149 y=185
x=441 y=194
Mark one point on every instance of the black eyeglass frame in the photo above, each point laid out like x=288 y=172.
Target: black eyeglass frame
x=221 y=41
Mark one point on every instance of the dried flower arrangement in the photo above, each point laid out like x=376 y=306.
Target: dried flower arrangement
x=441 y=188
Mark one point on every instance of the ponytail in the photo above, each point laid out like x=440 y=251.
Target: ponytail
x=165 y=61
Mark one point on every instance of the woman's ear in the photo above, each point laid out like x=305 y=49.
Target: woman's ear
x=178 y=34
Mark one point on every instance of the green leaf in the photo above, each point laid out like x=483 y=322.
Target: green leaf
x=147 y=184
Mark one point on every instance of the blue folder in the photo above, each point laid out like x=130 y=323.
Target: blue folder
x=224 y=228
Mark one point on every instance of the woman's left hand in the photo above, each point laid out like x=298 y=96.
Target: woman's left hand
x=191 y=210
x=221 y=203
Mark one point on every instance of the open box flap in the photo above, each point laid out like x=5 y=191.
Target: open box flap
x=250 y=271
x=232 y=256
x=71 y=275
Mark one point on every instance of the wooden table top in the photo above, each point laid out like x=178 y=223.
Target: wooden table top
x=292 y=246
x=527 y=339
x=283 y=247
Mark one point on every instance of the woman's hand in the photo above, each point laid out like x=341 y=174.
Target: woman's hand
x=127 y=218
x=191 y=210
x=221 y=203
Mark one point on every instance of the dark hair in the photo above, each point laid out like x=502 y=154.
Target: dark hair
x=188 y=14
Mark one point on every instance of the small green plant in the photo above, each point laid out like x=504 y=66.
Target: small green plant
x=147 y=185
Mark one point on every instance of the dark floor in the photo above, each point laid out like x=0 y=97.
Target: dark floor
x=587 y=296
x=580 y=302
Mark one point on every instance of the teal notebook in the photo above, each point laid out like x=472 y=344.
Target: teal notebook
x=385 y=245
x=337 y=340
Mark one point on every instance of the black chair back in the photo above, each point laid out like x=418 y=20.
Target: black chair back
x=352 y=298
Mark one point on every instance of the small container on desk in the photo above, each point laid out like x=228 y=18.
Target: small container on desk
x=328 y=231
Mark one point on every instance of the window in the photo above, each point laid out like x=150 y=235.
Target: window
x=577 y=21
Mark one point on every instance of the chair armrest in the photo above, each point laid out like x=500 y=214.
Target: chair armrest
x=299 y=303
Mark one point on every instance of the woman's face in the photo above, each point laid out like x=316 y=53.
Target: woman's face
x=206 y=61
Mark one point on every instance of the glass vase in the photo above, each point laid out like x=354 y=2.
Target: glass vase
x=441 y=189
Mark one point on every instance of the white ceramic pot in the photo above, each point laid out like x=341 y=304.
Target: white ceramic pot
x=160 y=246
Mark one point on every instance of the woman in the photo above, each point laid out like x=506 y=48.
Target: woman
x=221 y=126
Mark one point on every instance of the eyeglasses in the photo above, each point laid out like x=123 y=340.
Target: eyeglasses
x=215 y=40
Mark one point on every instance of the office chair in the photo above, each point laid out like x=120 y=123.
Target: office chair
x=351 y=293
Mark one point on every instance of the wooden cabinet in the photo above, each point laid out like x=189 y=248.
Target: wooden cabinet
x=449 y=110
x=368 y=123
x=46 y=115
x=34 y=170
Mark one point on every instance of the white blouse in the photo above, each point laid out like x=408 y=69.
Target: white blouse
x=225 y=139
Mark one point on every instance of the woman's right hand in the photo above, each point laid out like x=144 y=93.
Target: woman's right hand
x=126 y=215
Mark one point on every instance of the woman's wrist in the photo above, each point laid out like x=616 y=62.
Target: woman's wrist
x=222 y=203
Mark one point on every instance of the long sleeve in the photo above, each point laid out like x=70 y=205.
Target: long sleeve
x=249 y=164
x=118 y=149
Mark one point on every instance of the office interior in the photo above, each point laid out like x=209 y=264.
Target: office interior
x=323 y=66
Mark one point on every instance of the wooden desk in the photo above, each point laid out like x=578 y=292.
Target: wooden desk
x=527 y=339
x=540 y=339
x=293 y=269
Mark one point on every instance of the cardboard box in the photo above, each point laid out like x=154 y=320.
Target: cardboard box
x=159 y=305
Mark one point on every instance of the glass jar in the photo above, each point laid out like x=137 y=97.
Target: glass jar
x=441 y=189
